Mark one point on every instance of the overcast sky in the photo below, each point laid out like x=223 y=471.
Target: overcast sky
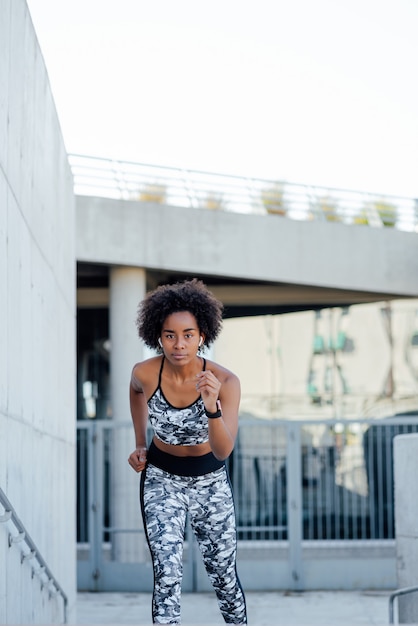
x=312 y=91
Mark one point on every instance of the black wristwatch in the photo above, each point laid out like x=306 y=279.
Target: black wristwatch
x=217 y=413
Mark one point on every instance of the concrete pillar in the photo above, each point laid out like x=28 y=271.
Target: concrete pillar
x=406 y=516
x=127 y=289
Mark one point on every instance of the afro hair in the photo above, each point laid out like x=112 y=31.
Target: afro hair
x=189 y=295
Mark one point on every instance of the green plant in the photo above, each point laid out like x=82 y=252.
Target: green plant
x=328 y=209
x=153 y=193
x=273 y=200
x=386 y=211
x=213 y=201
x=361 y=217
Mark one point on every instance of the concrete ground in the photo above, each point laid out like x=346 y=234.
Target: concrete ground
x=327 y=608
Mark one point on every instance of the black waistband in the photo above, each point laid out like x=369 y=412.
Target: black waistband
x=183 y=465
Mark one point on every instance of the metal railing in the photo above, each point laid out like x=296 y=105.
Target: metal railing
x=396 y=594
x=30 y=551
x=110 y=178
x=312 y=483
x=345 y=477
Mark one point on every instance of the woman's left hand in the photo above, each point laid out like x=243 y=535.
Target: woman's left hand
x=209 y=387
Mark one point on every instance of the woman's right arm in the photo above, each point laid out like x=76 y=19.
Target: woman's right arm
x=139 y=413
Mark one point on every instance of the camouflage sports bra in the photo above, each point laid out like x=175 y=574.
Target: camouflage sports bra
x=186 y=426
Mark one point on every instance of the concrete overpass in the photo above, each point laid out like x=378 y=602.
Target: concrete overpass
x=255 y=263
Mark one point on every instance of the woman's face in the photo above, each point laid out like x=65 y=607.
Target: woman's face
x=180 y=337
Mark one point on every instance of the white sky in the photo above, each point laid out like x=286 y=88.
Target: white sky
x=312 y=91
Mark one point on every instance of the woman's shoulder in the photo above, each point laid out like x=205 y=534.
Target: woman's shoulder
x=221 y=372
x=146 y=370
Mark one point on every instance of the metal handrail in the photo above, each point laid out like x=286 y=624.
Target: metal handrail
x=126 y=180
x=396 y=594
x=10 y=515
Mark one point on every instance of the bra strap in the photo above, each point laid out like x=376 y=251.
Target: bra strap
x=161 y=371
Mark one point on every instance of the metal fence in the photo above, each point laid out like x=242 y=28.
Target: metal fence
x=346 y=478
x=141 y=182
x=296 y=483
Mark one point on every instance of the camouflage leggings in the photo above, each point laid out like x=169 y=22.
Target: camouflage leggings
x=166 y=499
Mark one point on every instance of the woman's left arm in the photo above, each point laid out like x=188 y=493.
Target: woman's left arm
x=222 y=389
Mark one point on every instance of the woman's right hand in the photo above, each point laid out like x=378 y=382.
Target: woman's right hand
x=138 y=458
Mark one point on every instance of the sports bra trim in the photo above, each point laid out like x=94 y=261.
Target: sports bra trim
x=178 y=408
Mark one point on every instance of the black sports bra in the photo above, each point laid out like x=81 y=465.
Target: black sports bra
x=186 y=426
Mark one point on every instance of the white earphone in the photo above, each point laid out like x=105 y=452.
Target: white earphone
x=200 y=341
x=160 y=342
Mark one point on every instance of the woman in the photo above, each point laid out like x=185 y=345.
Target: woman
x=192 y=405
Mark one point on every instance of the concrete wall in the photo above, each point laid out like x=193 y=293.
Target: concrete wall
x=406 y=515
x=37 y=329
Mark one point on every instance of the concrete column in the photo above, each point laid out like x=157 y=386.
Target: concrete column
x=127 y=289
x=406 y=516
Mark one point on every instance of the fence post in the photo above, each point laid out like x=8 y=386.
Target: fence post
x=95 y=482
x=294 y=503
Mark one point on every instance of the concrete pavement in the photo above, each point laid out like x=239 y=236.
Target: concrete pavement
x=327 y=608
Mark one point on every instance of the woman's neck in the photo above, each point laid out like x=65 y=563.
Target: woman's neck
x=182 y=374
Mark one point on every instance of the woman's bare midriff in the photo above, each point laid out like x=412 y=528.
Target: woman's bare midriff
x=198 y=450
